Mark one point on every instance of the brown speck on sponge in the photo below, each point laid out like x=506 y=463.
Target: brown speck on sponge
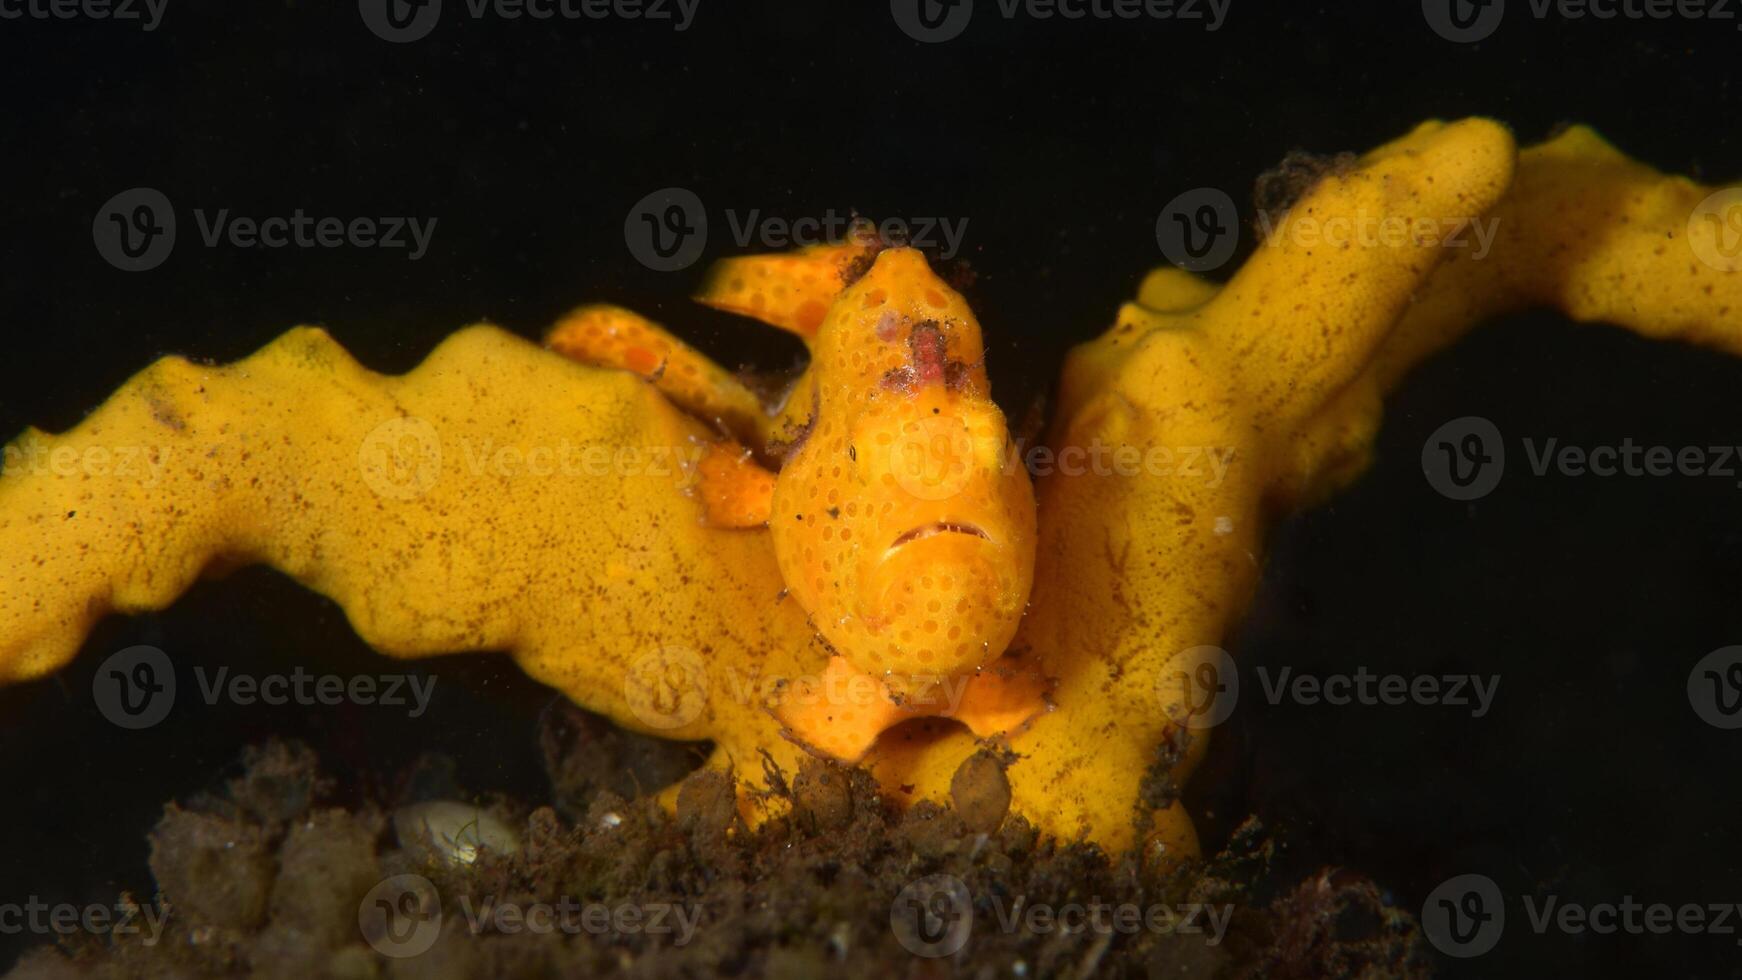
x=854 y=269
x=1278 y=188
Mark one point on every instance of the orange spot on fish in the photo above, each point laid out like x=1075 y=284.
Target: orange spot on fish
x=641 y=360
x=810 y=315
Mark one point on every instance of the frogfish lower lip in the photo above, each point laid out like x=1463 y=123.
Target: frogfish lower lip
x=936 y=528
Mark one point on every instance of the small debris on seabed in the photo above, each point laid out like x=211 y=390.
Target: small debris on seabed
x=265 y=877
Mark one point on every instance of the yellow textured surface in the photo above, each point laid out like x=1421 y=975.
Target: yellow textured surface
x=1199 y=414
x=1584 y=230
x=497 y=497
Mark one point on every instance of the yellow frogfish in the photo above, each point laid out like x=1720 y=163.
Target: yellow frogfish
x=901 y=516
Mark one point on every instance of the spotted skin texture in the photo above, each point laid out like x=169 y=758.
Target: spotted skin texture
x=615 y=589
x=613 y=337
x=794 y=291
x=735 y=491
x=904 y=521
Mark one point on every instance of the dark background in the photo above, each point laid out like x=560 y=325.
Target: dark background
x=1059 y=142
